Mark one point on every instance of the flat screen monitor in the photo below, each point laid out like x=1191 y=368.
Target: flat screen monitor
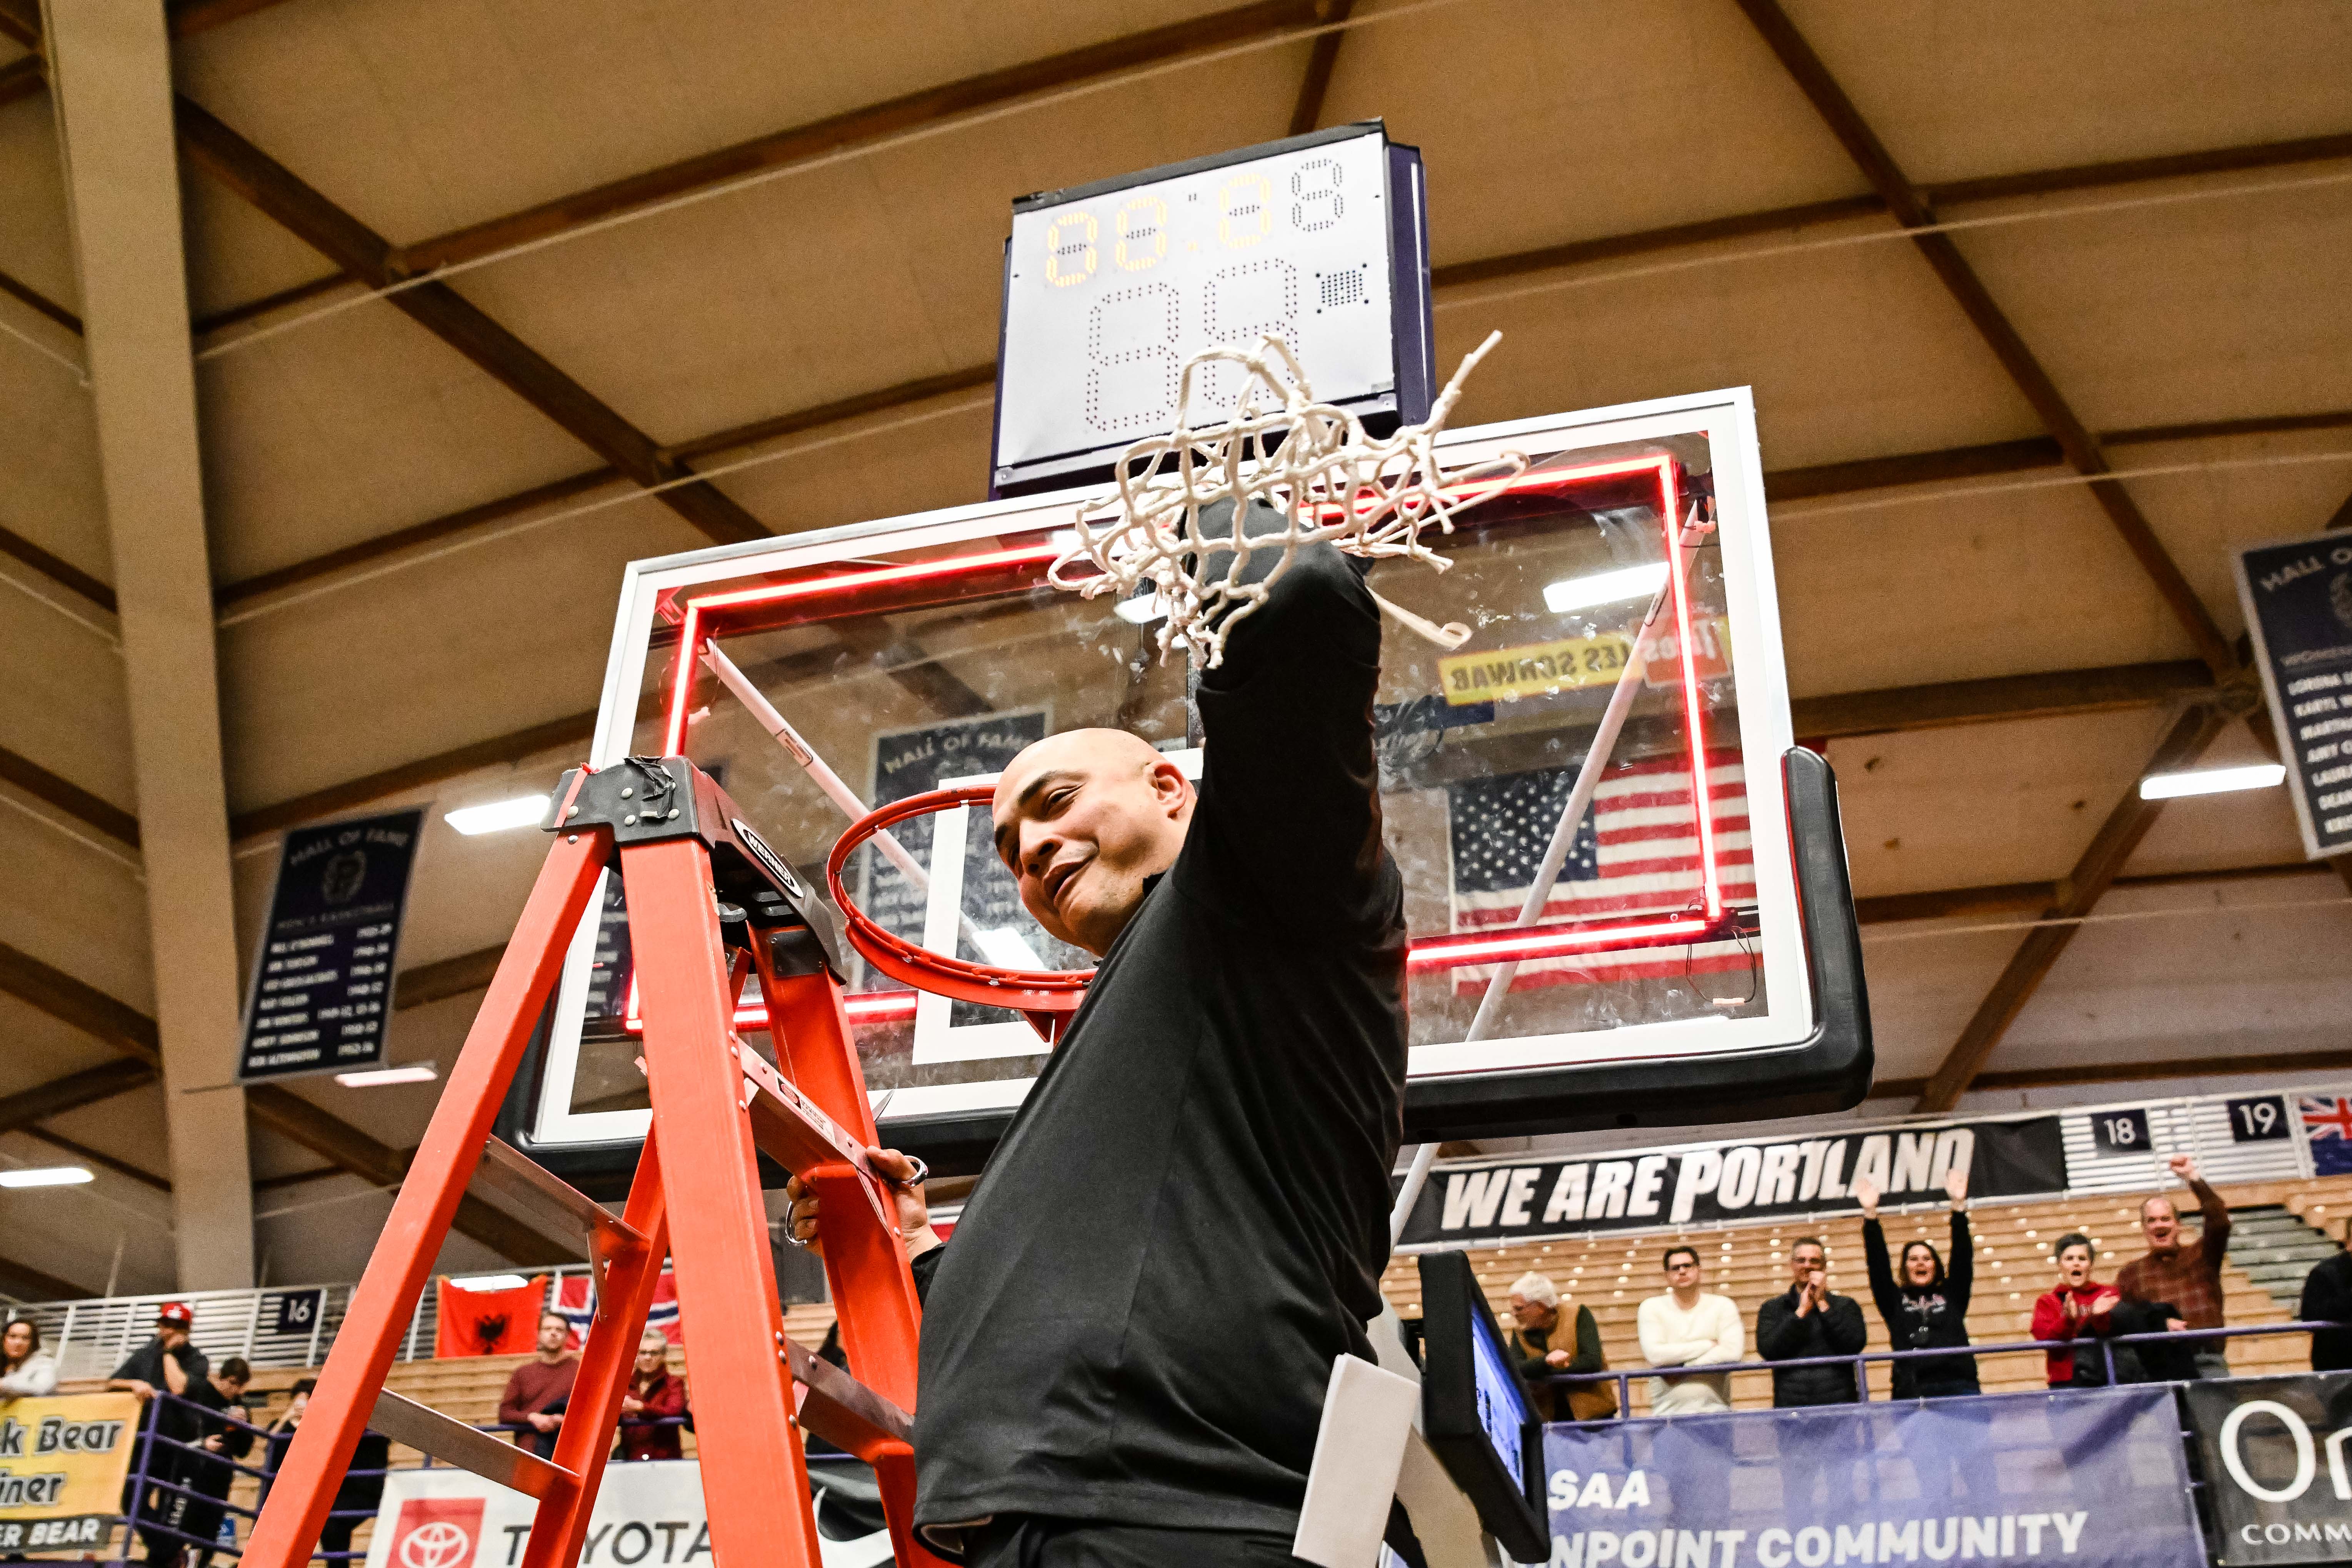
x=1476 y=1413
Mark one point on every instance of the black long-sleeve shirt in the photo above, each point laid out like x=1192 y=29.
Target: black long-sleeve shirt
x=1940 y=1307
x=2327 y=1298
x=1835 y=1328
x=1185 y=1223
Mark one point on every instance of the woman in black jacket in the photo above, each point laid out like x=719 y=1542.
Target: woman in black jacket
x=1925 y=1307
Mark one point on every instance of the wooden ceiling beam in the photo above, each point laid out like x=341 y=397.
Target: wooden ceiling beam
x=68 y=797
x=2043 y=694
x=2032 y=897
x=25 y=1283
x=64 y=574
x=99 y=1158
x=2075 y=894
x=1322 y=59
x=25 y=77
x=25 y=293
x=126 y=1029
x=2132 y=1072
x=2139 y=171
x=1908 y=207
x=74 y=1091
x=278 y=194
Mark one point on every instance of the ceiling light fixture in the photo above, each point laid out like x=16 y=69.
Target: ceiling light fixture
x=376 y=1078
x=2212 y=781
x=44 y=1176
x=1603 y=588
x=490 y=1282
x=523 y=811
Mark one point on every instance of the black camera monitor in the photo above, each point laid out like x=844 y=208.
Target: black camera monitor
x=1475 y=1410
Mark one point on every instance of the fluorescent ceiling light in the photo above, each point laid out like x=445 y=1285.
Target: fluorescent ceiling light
x=491 y=1282
x=2212 y=781
x=1603 y=588
x=44 y=1176
x=523 y=811
x=1007 y=948
x=375 y=1078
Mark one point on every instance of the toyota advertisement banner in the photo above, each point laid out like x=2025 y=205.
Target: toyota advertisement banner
x=648 y=1515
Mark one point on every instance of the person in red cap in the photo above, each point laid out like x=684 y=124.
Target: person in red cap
x=166 y=1365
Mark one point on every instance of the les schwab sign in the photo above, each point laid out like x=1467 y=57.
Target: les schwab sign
x=1737 y=1181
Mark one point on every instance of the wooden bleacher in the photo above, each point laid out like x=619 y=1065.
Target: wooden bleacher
x=1613 y=1274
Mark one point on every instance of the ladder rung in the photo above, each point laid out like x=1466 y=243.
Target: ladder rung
x=842 y=1410
x=551 y=1203
x=789 y=1127
x=429 y=1431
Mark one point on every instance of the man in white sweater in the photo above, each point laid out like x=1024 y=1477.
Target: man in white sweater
x=1686 y=1327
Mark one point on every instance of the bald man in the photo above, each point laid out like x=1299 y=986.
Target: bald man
x=1125 y=1345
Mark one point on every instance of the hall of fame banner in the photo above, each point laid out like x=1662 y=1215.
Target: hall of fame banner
x=62 y=1464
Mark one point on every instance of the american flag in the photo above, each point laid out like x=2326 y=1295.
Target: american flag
x=1636 y=852
x=2327 y=1127
x=575 y=1303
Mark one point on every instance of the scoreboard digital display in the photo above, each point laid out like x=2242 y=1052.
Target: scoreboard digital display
x=1109 y=288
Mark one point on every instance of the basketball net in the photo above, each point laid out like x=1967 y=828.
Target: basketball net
x=1310 y=462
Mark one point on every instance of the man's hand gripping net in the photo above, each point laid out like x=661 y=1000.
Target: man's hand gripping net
x=1310 y=461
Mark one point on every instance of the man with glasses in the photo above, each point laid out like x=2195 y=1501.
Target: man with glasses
x=1687 y=1327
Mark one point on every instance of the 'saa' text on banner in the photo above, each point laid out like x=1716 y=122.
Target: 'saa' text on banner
x=62 y=1464
x=2093 y=1479
x=2272 y=1452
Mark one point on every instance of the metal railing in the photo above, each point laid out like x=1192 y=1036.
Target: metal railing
x=161 y=1499
x=2190 y=1339
x=276 y=1327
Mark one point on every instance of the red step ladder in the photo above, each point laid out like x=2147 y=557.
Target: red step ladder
x=708 y=903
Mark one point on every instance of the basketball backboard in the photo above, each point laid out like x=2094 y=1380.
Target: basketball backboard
x=1694 y=961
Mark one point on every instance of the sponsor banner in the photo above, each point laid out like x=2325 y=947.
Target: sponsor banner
x=1569 y=664
x=2093 y=1479
x=648 y=1515
x=1758 y=1179
x=2298 y=602
x=2272 y=1452
x=62 y=1464
x=321 y=996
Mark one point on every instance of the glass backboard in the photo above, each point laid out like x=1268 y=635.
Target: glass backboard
x=1681 y=942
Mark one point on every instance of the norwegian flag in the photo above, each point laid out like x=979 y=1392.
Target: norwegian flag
x=2327 y=1127
x=575 y=1302
x=1636 y=852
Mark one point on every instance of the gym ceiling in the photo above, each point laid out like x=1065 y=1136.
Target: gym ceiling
x=2045 y=308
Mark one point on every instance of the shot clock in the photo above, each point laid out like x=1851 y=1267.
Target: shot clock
x=1321 y=240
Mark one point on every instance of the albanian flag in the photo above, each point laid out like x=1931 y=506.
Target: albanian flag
x=488 y=1322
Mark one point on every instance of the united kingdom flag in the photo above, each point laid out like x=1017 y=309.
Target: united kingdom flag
x=2327 y=1127
x=575 y=1303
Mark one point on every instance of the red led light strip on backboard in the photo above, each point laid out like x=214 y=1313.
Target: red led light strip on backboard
x=1449 y=952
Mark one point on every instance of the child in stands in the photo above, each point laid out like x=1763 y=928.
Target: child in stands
x=2076 y=1308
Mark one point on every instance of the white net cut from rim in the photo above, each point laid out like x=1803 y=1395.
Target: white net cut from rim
x=1310 y=462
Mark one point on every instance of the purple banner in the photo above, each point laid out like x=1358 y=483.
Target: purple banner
x=2093 y=1478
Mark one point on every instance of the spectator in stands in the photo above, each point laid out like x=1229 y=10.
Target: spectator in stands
x=26 y=1372
x=655 y=1395
x=161 y=1373
x=208 y=1470
x=2184 y=1275
x=1536 y=1307
x=1925 y=1307
x=1686 y=1327
x=360 y=1492
x=2076 y=1308
x=541 y=1387
x=1810 y=1320
x=2327 y=1298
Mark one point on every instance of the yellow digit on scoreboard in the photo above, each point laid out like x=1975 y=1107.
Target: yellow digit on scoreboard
x=1070 y=249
